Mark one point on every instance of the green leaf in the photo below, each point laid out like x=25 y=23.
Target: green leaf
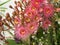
x=12 y=42
x=4 y=2
x=39 y=33
x=3 y=8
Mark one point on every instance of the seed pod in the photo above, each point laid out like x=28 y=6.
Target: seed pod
x=1 y=23
x=14 y=13
x=1 y=37
x=0 y=17
x=15 y=2
x=1 y=29
x=5 y=23
x=19 y=4
x=11 y=7
x=16 y=10
x=8 y=18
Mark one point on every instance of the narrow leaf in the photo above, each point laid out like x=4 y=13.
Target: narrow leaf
x=4 y=2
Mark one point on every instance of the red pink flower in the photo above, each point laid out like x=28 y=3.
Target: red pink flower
x=22 y=33
x=48 y=10
x=46 y=23
x=32 y=27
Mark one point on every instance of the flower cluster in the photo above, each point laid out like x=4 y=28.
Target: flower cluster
x=27 y=18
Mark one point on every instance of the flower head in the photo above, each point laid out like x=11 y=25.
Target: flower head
x=30 y=11
x=16 y=20
x=32 y=27
x=46 y=23
x=48 y=10
x=38 y=18
x=22 y=33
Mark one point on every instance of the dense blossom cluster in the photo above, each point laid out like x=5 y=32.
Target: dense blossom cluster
x=28 y=20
